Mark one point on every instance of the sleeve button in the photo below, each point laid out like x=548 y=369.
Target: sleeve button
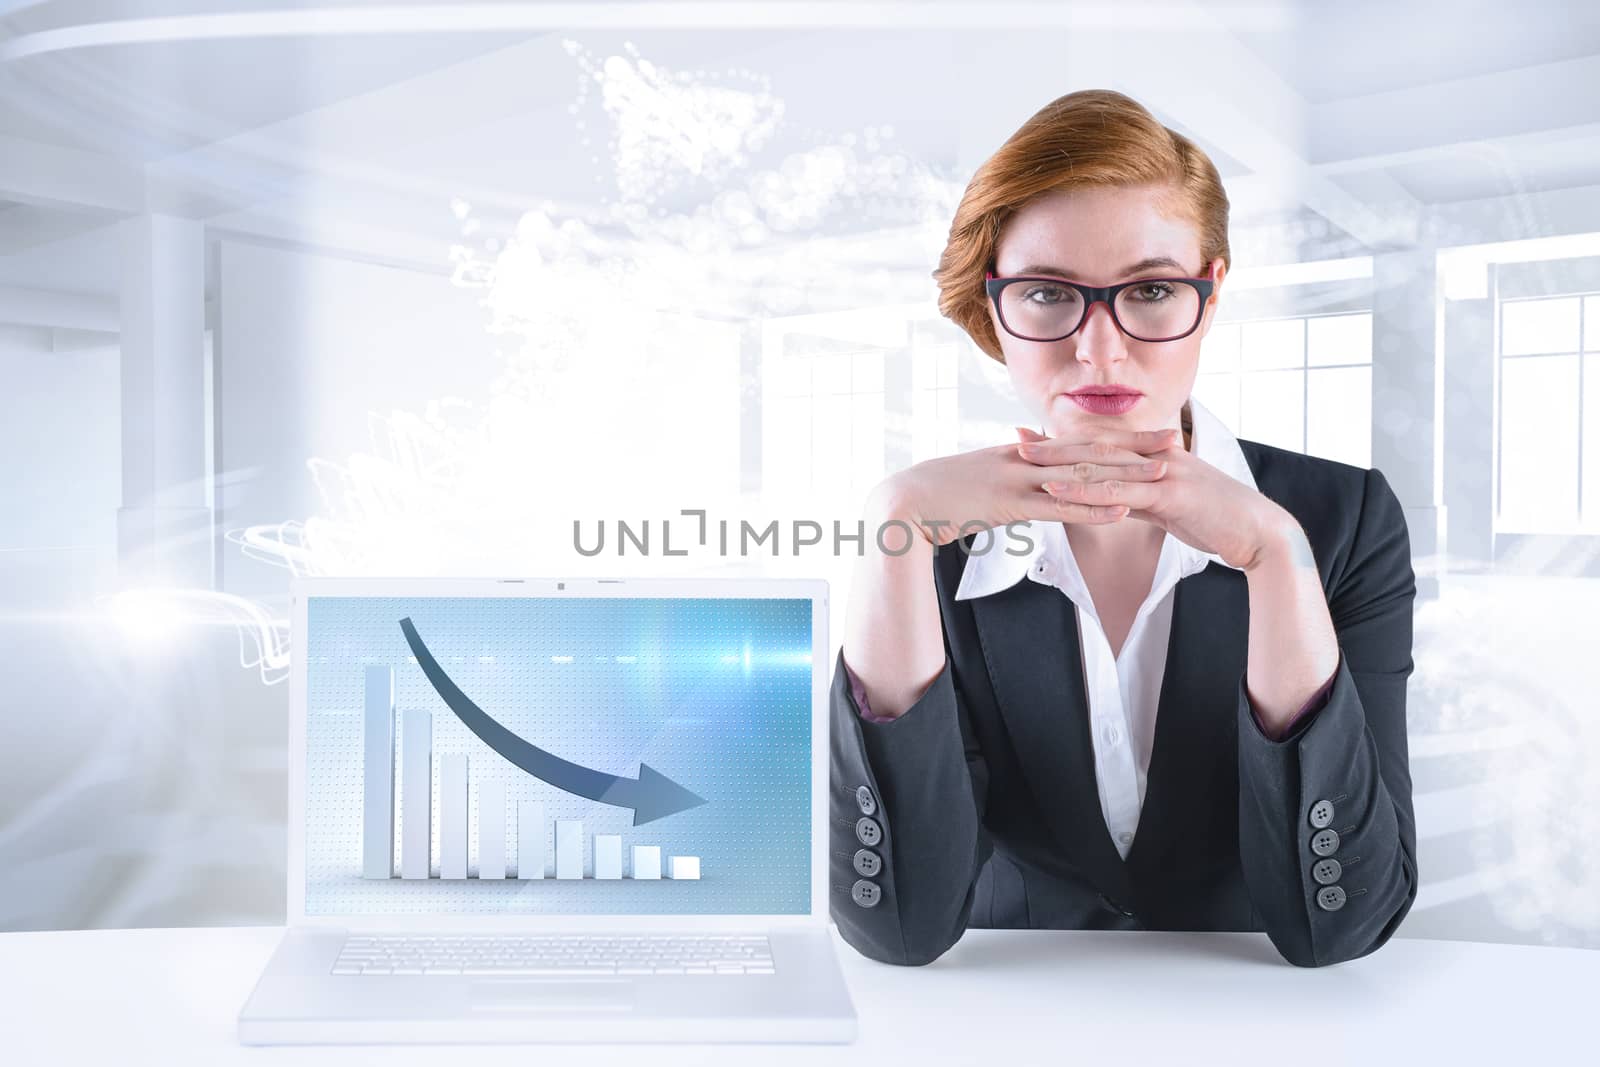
x=866 y=801
x=865 y=893
x=1321 y=814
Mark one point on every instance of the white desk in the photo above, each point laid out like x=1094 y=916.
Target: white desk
x=1001 y=997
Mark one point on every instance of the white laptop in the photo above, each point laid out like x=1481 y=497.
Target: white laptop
x=576 y=810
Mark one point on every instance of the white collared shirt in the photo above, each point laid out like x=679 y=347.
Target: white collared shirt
x=1123 y=690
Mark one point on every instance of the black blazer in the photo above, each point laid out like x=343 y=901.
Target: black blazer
x=978 y=807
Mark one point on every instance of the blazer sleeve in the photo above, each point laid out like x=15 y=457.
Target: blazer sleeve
x=911 y=792
x=858 y=693
x=1300 y=719
x=1327 y=836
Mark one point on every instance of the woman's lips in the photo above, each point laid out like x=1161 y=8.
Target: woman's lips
x=1106 y=403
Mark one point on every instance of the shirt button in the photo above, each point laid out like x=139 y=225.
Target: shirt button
x=1112 y=736
x=1124 y=837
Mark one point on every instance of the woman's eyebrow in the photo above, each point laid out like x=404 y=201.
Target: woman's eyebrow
x=1143 y=265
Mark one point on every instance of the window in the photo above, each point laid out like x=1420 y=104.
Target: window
x=1302 y=383
x=934 y=422
x=1548 y=402
x=823 y=428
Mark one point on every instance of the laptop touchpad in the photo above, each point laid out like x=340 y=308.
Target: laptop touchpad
x=552 y=995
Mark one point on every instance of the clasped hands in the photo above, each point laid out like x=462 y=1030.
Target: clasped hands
x=1189 y=498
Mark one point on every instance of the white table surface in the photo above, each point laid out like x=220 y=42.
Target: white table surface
x=1027 y=996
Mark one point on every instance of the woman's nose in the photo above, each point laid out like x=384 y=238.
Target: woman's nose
x=1099 y=340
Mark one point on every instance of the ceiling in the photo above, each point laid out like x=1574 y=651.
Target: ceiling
x=1338 y=119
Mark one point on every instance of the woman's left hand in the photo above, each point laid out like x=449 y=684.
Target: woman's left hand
x=1192 y=500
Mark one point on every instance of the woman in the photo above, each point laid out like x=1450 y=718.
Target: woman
x=1161 y=685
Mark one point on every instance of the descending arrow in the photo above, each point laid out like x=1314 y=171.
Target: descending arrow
x=652 y=795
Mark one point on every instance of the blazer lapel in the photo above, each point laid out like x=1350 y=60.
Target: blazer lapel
x=1029 y=633
x=1191 y=790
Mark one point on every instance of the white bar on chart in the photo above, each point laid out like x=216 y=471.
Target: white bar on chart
x=531 y=837
x=569 y=848
x=377 y=773
x=647 y=861
x=453 y=815
x=491 y=829
x=416 y=796
x=685 y=867
x=608 y=855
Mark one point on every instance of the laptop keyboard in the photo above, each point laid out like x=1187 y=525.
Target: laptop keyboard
x=543 y=954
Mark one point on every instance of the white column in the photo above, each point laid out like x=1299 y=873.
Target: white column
x=608 y=855
x=377 y=774
x=1407 y=396
x=646 y=861
x=416 y=783
x=164 y=529
x=453 y=815
x=531 y=838
x=569 y=848
x=685 y=867
x=1469 y=425
x=491 y=829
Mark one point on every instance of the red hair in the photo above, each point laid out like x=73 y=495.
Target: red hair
x=1094 y=137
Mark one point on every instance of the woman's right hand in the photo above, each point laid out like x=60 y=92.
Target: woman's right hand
x=995 y=486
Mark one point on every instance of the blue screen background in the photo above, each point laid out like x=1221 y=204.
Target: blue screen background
x=714 y=693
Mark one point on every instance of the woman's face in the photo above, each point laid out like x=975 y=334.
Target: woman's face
x=1094 y=236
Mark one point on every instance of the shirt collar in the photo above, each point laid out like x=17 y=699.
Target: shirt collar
x=996 y=569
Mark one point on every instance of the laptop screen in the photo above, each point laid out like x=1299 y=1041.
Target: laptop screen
x=570 y=755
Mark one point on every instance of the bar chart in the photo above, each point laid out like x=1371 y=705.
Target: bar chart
x=500 y=819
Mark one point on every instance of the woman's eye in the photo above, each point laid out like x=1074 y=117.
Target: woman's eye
x=1153 y=293
x=1049 y=294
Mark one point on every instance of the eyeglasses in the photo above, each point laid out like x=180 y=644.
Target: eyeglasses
x=1041 y=308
